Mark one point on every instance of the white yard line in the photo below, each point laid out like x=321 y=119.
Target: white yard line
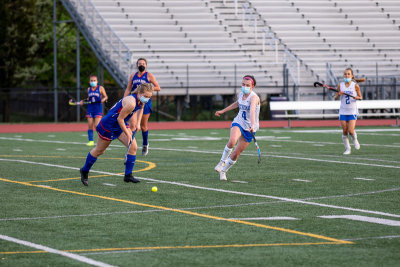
x=56 y=251
x=266 y=219
x=220 y=190
x=301 y=180
x=363 y=219
x=374 y=237
x=364 y=179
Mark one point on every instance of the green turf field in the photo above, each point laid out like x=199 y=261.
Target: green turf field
x=272 y=214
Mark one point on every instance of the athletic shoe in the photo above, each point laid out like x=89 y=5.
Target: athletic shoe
x=145 y=150
x=222 y=176
x=84 y=177
x=219 y=166
x=129 y=178
x=347 y=152
x=91 y=143
x=356 y=144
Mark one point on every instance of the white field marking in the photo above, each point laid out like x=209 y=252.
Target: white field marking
x=284 y=137
x=213 y=133
x=318 y=145
x=266 y=219
x=363 y=219
x=117 y=251
x=85 y=135
x=56 y=251
x=51 y=135
x=109 y=184
x=241 y=182
x=17 y=135
x=195 y=138
x=160 y=140
x=374 y=237
x=60 y=149
x=220 y=190
x=17 y=150
x=275 y=146
x=301 y=180
x=365 y=179
x=336 y=131
x=192 y=147
x=45 y=185
x=192 y=208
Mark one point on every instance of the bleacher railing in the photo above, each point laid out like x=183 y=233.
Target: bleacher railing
x=105 y=35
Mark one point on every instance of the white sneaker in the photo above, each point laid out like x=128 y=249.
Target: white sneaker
x=222 y=176
x=219 y=166
x=356 y=144
x=145 y=150
x=347 y=152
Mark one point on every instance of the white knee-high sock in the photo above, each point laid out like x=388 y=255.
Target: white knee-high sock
x=346 y=142
x=228 y=165
x=226 y=153
x=353 y=136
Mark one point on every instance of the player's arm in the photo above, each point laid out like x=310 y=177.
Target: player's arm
x=358 y=91
x=128 y=104
x=254 y=101
x=103 y=94
x=129 y=86
x=337 y=95
x=228 y=108
x=152 y=80
x=139 y=118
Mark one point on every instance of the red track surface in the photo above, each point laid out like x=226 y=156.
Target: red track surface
x=81 y=127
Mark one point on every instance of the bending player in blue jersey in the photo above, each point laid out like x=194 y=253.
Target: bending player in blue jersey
x=115 y=126
x=142 y=76
x=96 y=96
x=246 y=121
x=348 y=109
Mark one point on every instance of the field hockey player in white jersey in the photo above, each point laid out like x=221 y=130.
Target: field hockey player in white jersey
x=348 y=108
x=246 y=121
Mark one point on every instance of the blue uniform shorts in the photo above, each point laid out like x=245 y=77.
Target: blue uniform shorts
x=348 y=117
x=147 y=108
x=94 y=111
x=246 y=134
x=107 y=134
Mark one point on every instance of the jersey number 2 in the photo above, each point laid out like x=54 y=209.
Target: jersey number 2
x=347 y=99
x=244 y=115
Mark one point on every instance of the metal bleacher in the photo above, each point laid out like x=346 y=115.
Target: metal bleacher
x=205 y=46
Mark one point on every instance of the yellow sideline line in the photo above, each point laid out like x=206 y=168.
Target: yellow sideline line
x=176 y=247
x=184 y=212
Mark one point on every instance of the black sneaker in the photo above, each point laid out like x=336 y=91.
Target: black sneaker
x=129 y=178
x=84 y=177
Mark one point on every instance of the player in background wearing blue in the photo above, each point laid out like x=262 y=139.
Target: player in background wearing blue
x=246 y=121
x=348 y=108
x=142 y=76
x=115 y=126
x=96 y=96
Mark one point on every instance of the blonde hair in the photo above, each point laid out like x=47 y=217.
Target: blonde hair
x=144 y=87
x=357 y=80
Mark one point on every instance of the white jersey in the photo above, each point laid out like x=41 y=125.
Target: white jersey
x=243 y=117
x=348 y=105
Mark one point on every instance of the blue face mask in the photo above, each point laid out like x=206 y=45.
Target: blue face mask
x=144 y=99
x=93 y=84
x=347 y=80
x=245 y=90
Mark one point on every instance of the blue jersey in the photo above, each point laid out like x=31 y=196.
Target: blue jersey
x=136 y=80
x=95 y=108
x=110 y=123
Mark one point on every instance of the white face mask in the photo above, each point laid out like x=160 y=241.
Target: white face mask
x=144 y=99
x=93 y=84
x=245 y=90
x=347 y=80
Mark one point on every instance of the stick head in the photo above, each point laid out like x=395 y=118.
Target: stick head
x=318 y=84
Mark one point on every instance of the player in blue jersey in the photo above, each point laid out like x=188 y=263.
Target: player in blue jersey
x=115 y=126
x=96 y=96
x=142 y=76
x=246 y=121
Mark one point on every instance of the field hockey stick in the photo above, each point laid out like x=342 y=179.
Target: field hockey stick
x=258 y=148
x=129 y=146
x=74 y=103
x=331 y=88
